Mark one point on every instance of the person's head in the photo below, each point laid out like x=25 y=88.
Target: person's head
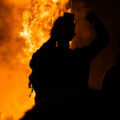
x=63 y=28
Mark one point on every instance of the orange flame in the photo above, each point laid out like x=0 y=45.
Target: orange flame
x=38 y=19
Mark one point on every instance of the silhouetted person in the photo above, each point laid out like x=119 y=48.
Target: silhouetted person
x=51 y=63
x=60 y=74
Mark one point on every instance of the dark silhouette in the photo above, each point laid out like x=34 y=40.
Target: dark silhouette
x=111 y=87
x=111 y=81
x=59 y=74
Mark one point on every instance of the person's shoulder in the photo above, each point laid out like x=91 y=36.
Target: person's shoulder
x=42 y=49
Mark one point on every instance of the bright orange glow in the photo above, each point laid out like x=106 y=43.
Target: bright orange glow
x=37 y=21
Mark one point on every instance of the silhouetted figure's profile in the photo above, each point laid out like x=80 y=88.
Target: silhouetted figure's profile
x=60 y=74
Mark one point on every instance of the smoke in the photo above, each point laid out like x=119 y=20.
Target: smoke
x=9 y=18
x=13 y=75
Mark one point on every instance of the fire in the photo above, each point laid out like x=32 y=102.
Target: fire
x=38 y=19
x=25 y=38
x=19 y=39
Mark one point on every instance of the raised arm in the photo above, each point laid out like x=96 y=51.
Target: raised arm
x=102 y=38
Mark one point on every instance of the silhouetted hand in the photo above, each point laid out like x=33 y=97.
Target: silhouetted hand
x=92 y=18
x=98 y=25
